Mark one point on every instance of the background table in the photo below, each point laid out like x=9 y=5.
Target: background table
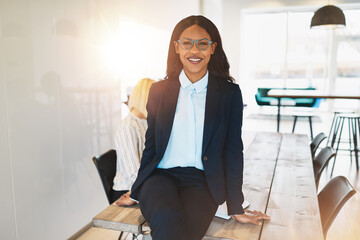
x=278 y=180
x=308 y=94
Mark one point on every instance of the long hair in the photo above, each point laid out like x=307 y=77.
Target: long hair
x=139 y=95
x=218 y=64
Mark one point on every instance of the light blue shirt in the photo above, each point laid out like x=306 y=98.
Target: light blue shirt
x=184 y=148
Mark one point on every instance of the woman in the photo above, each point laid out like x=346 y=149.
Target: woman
x=193 y=156
x=130 y=138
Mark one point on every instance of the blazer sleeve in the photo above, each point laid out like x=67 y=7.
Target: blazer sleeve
x=233 y=156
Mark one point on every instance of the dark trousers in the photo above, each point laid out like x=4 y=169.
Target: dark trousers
x=177 y=204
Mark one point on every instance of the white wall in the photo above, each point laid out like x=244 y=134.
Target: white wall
x=60 y=102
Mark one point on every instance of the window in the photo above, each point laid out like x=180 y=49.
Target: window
x=280 y=50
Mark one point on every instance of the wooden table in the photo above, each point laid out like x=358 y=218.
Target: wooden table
x=278 y=180
x=308 y=94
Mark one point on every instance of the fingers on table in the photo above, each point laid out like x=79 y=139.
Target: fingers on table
x=258 y=215
x=254 y=220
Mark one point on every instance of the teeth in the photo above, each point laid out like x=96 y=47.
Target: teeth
x=195 y=59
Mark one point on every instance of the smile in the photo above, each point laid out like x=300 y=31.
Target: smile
x=194 y=60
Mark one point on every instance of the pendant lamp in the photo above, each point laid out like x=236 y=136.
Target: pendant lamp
x=328 y=16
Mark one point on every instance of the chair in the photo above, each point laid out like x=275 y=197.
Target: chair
x=106 y=166
x=332 y=130
x=332 y=198
x=353 y=124
x=321 y=161
x=314 y=145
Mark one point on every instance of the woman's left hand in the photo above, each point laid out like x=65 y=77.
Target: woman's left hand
x=253 y=217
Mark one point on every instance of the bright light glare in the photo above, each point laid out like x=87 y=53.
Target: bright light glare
x=134 y=52
x=111 y=55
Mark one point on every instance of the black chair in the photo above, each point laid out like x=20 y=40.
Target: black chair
x=314 y=145
x=321 y=161
x=332 y=198
x=106 y=166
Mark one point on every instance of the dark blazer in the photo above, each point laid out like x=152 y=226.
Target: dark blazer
x=222 y=150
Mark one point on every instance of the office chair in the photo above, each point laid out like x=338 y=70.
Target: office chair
x=314 y=145
x=321 y=161
x=106 y=166
x=332 y=198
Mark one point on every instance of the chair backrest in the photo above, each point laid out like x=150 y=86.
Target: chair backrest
x=314 y=145
x=106 y=166
x=321 y=161
x=332 y=198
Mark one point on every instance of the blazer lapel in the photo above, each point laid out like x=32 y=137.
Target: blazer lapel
x=168 y=111
x=211 y=108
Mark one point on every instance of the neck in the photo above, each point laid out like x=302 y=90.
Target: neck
x=194 y=77
x=137 y=113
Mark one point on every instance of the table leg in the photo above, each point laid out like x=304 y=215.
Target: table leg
x=278 y=116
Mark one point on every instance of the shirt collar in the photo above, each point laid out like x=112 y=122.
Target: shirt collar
x=198 y=86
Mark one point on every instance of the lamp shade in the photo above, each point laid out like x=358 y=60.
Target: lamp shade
x=328 y=15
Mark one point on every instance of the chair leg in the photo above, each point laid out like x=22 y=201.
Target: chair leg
x=311 y=131
x=331 y=129
x=335 y=132
x=350 y=125
x=355 y=126
x=121 y=233
x=341 y=122
x=295 y=119
x=357 y=146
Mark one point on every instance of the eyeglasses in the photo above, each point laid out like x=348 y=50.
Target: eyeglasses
x=201 y=44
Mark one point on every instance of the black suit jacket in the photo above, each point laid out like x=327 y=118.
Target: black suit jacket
x=222 y=150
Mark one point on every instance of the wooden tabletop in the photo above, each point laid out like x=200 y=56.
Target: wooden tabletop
x=312 y=94
x=278 y=180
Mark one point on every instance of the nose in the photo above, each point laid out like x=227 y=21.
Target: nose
x=194 y=49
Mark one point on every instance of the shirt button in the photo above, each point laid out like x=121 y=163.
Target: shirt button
x=205 y=158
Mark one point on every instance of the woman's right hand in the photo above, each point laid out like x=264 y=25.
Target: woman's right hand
x=125 y=200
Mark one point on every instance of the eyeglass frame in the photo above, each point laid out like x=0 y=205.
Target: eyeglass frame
x=196 y=42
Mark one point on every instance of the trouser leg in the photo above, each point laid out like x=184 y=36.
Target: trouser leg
x=160 y=205
x=177 y=204
x=199 y=209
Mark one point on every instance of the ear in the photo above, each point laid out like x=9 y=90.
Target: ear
x=213 y=46
x=176 y=44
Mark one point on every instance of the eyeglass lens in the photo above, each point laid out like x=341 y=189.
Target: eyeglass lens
x=202 y=44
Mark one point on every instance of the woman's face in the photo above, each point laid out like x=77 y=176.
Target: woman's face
x=194 y=60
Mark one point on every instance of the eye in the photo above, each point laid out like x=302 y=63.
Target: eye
x=203 y=43
x=186 y=42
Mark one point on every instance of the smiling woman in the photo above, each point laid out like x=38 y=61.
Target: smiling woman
x=193 y=156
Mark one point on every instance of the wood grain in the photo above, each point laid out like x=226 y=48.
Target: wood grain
x=293 y=204
x=127 y=219
x=260 y=160
x=93 y=233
